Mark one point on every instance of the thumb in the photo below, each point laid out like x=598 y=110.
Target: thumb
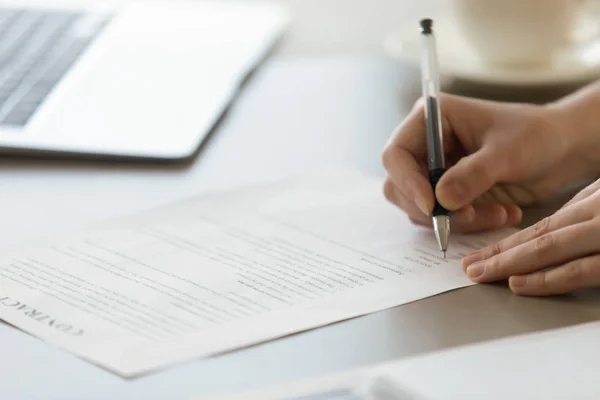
x=464 y=182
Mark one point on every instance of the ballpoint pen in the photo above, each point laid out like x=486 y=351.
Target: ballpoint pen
x=433 y=121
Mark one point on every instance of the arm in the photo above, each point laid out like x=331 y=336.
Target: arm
x=582 y=111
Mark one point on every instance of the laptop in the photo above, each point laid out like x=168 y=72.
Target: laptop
x=144 y=79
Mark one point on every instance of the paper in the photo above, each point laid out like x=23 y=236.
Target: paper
x=556 y=364
x=220 y=272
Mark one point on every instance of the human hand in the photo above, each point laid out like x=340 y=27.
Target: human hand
x=500 y=156
x=557 y=255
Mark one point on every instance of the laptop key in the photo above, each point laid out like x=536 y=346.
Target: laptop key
x=37 y=48
x=17 y=118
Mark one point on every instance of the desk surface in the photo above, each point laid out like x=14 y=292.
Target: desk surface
x=333 y=111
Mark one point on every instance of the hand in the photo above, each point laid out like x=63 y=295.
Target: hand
x=559 y=254
x=500 y=156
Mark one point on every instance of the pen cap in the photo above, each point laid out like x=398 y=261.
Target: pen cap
x=429 y=61
x=431 y=93
x=426 y=25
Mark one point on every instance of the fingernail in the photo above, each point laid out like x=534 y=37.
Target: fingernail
x=475 y=270
x=422 y=204
x=518 y=281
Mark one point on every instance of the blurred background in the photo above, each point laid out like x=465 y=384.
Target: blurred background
x=329 y=27
x=377 y=28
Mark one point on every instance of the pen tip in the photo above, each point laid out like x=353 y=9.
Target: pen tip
x=444 y=253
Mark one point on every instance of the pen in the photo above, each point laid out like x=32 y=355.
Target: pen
x=433 y=121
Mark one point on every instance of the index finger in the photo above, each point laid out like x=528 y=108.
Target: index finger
x=403 y=159
x=560 y=219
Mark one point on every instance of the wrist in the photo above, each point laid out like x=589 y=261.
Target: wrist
x=579 y=116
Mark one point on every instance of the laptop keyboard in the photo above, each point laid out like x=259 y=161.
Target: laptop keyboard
x=37 y=48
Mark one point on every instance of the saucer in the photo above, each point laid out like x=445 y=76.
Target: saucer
x=576 y=64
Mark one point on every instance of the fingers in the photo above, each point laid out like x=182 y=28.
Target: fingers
x=557 y=255
x=485 y=217
x=560 y=219
x=584 y=194
x=468 y=219
x=468 y=179
x=514 y=215
x=554 y=248
x=463 y=220
x=404 y=156
x=577 y=274
x=411 y=134
x=394 y=195
x=406 y=175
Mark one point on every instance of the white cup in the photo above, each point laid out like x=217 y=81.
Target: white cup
x=518 y=32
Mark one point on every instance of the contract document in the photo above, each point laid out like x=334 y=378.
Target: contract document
x=223 y=271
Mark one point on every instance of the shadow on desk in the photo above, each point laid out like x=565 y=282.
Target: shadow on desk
x=522 y=94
